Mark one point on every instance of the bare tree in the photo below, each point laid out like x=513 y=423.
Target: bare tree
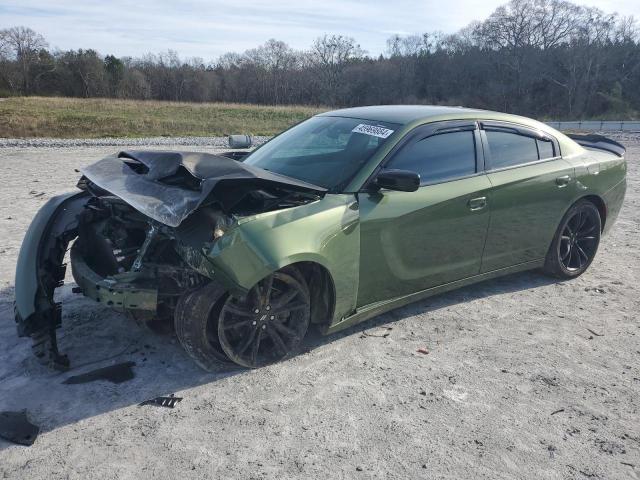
x=330 y=55
x=627 y=30
x=273 y=63
x=22 y=44
x=530 y=23
x=410 y=45
x=134 y=85
x=87 y=72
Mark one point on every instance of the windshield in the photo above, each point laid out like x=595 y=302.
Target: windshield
x=325 y=151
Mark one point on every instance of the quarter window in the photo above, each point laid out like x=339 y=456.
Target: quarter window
x=511 y=149
x=545 y=149
x=440 y=157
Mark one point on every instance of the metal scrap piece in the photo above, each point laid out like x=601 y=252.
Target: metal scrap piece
x=118 y=373
x=16 y=427
x=168 y=402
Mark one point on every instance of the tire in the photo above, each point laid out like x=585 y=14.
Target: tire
x=575 y=242
x=196 y=324
x=270 y=323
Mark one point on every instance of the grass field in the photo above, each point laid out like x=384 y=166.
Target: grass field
x=96 y=118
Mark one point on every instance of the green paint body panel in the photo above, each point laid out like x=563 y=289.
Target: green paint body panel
x=326 y=232
x=413 y=241
x=526 y=208
x=379 y=308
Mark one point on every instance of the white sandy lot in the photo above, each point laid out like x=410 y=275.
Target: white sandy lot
x=526 y=377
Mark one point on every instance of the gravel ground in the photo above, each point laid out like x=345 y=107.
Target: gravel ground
x=216 y=142
x=525 y=377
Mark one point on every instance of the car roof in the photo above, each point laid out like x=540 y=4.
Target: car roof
x=403 y=114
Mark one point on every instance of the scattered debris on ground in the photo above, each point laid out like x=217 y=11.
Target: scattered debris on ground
x=385 y=332
x=16 y=428
x=168 y=402
x=118 y=373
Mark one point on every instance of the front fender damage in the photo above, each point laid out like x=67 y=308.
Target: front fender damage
x=143 y=228
x=41 y=269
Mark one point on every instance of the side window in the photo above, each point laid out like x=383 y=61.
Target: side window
x=545 y=149
x=439 y=157
x=510 y=149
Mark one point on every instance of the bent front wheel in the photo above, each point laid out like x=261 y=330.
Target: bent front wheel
x=269 y=323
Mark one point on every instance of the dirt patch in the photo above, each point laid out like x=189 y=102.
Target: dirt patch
x=515 y=383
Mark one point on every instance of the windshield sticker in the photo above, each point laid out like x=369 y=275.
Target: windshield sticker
x=372 y=130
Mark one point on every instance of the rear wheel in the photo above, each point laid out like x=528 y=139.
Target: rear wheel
x=269 y=323
x=576 y=241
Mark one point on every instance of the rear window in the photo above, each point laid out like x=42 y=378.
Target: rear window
x=510 y=149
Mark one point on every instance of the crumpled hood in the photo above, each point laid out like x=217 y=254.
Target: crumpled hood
x=169 y=186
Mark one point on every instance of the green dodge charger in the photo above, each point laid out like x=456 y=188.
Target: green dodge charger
x=340 y=218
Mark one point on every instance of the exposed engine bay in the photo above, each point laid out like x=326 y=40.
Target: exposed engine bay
x=141 y=223
x=170 y=186
x=132 y=259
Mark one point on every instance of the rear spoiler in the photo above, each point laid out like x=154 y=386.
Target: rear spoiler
x=599 y=142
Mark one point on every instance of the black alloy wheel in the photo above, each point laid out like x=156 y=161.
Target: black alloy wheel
x=269 y=323
x=579 y=240
x=576 y=241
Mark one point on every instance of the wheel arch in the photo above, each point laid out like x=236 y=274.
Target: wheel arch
x=554 y=263
x=594 y=199
x=322 y=288
x=600 y=205
x=320 y=282
x=325 y=233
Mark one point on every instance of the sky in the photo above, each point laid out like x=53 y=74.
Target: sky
x=207 y=29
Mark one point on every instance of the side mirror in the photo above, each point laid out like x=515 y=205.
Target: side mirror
x=401 y=180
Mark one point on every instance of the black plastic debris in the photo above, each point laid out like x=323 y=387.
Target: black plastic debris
x=118 y=373
x=16 y=428
x=168 y=402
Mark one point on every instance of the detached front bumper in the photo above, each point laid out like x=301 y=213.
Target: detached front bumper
x=41 y=269
x=121 y=292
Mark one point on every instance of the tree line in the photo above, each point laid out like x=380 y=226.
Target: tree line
x=543 y=58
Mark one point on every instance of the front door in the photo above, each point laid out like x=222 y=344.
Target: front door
x=411 y=241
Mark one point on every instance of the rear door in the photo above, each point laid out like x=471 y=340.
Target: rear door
x=411 y=241
x=531 y=190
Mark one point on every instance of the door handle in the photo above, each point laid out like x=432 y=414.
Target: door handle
x=477 y=203
x=563 y=181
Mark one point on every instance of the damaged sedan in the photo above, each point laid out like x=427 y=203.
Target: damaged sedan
x=342 y=217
